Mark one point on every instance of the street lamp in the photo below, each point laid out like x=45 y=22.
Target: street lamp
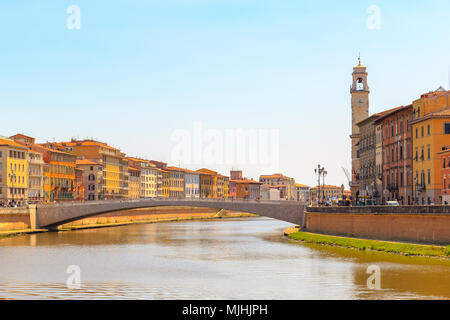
x=320 y=171
x=12 y=178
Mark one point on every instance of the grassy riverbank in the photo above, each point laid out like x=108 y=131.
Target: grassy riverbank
x=408 y=249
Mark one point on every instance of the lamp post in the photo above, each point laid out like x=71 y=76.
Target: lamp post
x=320 y=171
x=324 y=174
x=12 y=177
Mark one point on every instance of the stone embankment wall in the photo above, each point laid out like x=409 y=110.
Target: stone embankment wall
x=14 y=218
x=421 y=224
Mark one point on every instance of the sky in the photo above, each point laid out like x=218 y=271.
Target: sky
x=144 y=76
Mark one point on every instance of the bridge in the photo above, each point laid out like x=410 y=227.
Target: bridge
x=51 y=216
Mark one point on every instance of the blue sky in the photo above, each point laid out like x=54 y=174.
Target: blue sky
x=138 y=70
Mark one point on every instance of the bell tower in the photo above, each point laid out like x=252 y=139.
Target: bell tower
x=360 y=111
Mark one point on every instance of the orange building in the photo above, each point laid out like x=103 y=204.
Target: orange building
x=62 y=184
x=445 y=175
x=431 y=135
x=247 y=189
x=79 y=187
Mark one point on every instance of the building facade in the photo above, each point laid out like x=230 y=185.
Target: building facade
x=431 y=135
x=115 y=170
x=35 y=177
x=208 y=183
x=445 y=176
x=397 y=156
x=191 y=184
x=269 y=193
x=326 y=193
x=13 y=173
x=285 y=184
x=176 y=182
x=367 y=159
x=61 y=173
x=134 y=183
x=247 y=189
x=223 y=187
x=303 y=192
x=91 y=174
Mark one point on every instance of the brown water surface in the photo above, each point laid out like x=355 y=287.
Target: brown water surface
x=222 y=259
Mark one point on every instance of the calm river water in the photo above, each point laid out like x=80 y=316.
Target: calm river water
x=223 y=259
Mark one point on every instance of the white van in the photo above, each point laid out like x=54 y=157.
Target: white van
x=392 y=203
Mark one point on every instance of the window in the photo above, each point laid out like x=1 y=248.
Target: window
x=447 y=128
x=428 y=130
x=429 y=152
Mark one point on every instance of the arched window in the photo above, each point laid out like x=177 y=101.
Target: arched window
x=359 y=84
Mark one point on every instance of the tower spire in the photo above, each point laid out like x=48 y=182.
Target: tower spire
x=359 y=60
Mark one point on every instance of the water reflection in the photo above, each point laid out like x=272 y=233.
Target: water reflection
x=228 y=259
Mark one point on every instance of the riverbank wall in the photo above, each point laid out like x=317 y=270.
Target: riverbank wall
x=418 y=224
x=14 y=219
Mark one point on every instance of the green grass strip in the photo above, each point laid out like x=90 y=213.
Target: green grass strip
x=375 y=245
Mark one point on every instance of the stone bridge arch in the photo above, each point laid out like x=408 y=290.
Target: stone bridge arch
x=52 y=216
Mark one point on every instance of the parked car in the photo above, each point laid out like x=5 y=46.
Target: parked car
x=392 y=203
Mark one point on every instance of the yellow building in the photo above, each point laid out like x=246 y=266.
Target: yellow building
x=115 y=169
x=176 y=182
x=165 y=177
x=148 y=177
x=13 y=173
x=326 y=193
x=431 y=134
x=134 y=185
x=430 y=102
x=223 y=186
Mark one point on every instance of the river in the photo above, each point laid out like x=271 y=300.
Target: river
x=221 y=259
